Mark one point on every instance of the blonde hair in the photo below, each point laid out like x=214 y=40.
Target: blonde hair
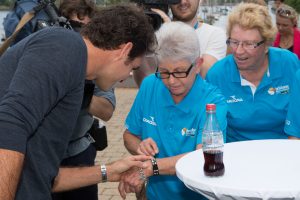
x=253 y=16
x=260 y=2
x=292 y=15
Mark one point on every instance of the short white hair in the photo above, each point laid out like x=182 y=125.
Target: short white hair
x=177 y=41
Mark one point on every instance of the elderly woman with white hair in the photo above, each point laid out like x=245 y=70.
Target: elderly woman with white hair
x=168 y=115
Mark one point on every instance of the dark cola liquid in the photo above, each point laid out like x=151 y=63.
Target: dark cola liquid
x=213 y=165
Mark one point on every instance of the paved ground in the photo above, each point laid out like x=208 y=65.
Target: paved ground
x=116 y=149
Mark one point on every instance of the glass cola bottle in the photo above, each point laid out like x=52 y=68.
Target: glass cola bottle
x=212 y=144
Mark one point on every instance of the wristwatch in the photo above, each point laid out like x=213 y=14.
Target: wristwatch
x=103 y=173
x=154 y=167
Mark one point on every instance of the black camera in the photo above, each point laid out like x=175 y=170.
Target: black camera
x=53 y=16
x=155 y=18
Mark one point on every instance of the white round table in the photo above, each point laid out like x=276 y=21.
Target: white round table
x=258 y=169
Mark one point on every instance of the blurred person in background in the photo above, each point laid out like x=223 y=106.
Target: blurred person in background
x=288 y=36
x=278 y=3
x=212 y=39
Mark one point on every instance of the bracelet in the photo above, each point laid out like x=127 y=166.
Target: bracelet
x=154 y=167
x=142 y=175
x=103 y=173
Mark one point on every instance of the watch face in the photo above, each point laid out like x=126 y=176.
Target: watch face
x=103 y=173
x=155 y=167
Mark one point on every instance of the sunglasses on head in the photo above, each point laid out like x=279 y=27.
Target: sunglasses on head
x=285 y=12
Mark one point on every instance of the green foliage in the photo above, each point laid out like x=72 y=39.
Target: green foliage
x=293 y=3
x=6 y=3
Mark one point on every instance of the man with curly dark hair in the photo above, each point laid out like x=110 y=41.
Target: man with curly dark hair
x=41 y=89
x=89 y=134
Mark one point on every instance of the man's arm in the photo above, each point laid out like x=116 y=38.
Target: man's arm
x=101 y=108
x=76 y=177
x=103 y=104
x=293 y=138
x=215 y=49
x=208 y=61
x=148 y=67
x=11 y=164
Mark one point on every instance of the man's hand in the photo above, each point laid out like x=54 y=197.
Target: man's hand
x=148 y=147
x=162 y=14
x=115 y=169
x=131 y=182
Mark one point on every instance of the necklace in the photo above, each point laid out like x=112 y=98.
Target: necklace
x=286 y=43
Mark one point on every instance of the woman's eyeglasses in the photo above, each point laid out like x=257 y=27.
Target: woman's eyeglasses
x=248 y=45
x=165 y=75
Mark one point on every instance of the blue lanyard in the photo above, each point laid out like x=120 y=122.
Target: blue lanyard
x=196 y=25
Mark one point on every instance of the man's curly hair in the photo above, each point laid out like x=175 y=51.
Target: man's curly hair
x=113 y=26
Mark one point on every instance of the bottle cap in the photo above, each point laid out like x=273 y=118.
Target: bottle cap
x=210 y=107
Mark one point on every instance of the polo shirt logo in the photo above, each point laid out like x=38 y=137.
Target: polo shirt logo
x=150 y=121
x=187 y=132
x=234 y=99
x=284 y=89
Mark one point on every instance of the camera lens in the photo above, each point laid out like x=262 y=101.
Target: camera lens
x=154 y=19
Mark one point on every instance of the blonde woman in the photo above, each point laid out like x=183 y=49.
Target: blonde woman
x=255 y=79
x=288 y=36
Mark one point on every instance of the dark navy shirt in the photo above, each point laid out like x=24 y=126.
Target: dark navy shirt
x=41 y=88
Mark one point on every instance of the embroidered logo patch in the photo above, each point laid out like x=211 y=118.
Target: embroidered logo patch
x=284 y=89
x=187 y=132
x=271 y=91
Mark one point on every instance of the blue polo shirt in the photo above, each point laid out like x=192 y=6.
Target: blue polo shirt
x=260 y=115
x=292 y=123
x=176 y=128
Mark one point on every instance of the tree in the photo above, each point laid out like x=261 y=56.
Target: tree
x=293 y=3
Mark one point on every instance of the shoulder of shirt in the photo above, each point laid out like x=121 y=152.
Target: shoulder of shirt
x=221 y=65
x=149 y=82
x=214 y=94
x=206 y=26
x=298 y=75
x=280 y=51
x=58 y=33
x=283 y=56
x=297 y=31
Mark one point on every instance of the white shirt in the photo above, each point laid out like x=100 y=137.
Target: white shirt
x=212 y=41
